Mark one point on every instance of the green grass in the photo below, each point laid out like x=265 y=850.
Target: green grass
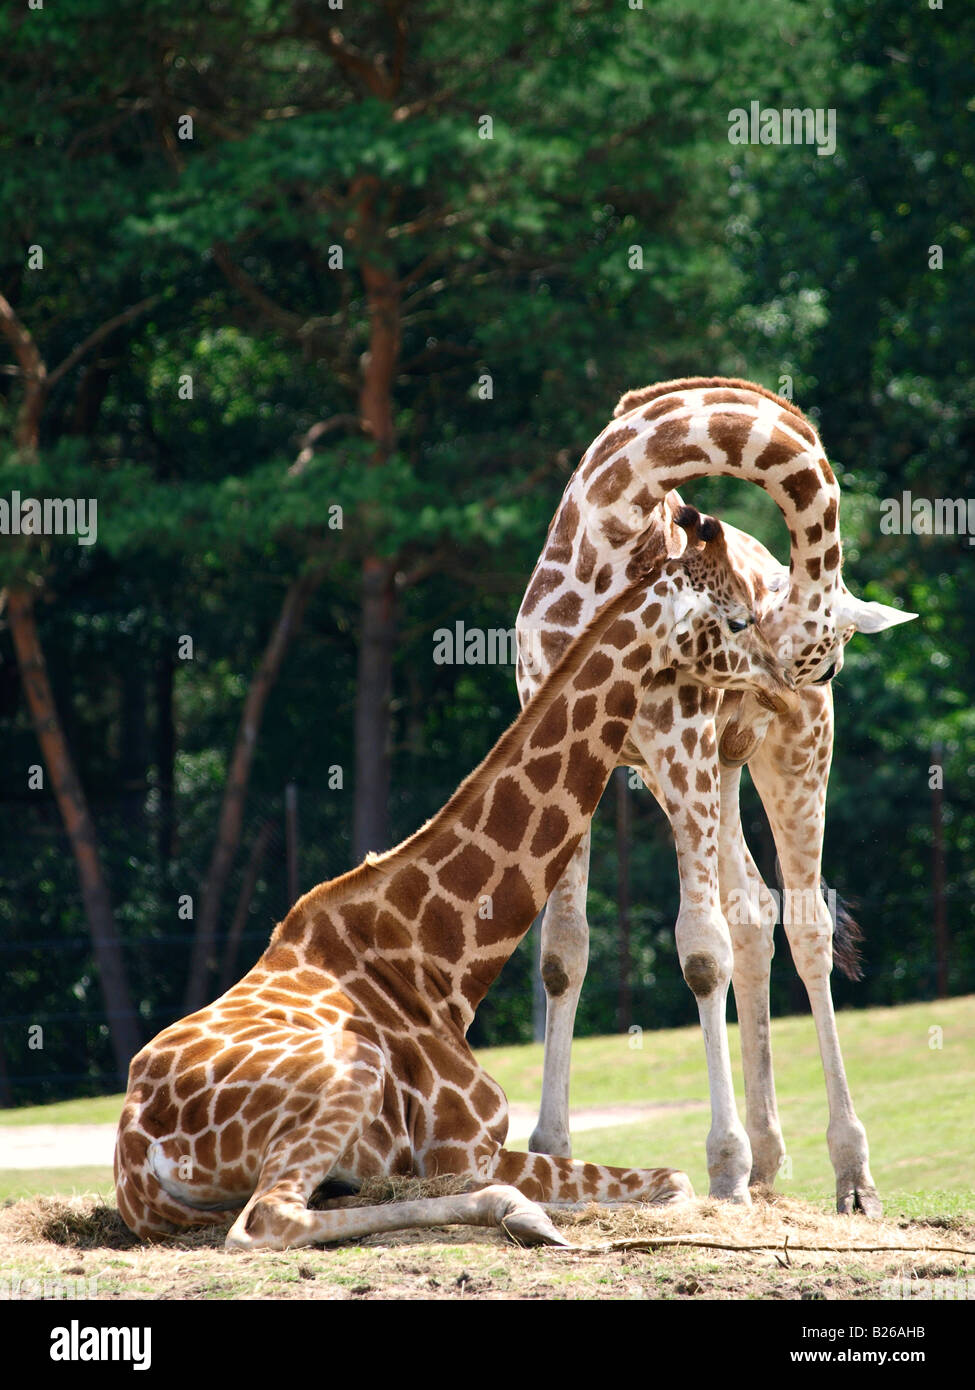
x=16 y=1183
x=915 y=1100
x=97 y=1110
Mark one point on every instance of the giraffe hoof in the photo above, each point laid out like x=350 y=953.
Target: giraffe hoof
x=863 y=1199
x=740 y=1196
x=526 y=1230
x=526 y=1224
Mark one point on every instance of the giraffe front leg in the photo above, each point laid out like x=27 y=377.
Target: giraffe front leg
x=750 y=912
x=705 y=952
x=565 y=955
x=495 y=1204
x=561 y=1182
x=791 y=781
x=681 y=755
x=306 y=1145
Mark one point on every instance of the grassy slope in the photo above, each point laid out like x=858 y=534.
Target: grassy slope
x=915 y=1100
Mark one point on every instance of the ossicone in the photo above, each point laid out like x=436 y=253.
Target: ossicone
x=700 y=528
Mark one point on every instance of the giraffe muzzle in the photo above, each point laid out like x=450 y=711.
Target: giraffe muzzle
x=780 y=695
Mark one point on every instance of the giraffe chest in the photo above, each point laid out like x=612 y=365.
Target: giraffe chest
x=439 y=1104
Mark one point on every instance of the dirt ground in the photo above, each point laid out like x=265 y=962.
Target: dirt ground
x=79 y=1248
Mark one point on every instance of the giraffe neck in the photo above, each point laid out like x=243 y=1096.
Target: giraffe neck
x=448 y=906
x=663 y=438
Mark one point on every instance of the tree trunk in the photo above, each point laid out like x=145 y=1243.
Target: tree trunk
x=203 y=958
x=376 y=624
x=251 y=874
x=133 y=738
x=165 y=759
x=123 y=1020
x=372 y=701
x=291 y=841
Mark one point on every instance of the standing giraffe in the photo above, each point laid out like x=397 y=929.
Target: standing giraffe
x=618 y=510
x=342 y=1054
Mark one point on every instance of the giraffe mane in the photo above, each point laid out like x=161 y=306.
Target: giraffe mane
x=631 y=399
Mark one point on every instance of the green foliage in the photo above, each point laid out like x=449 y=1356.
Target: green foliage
x=515 y=260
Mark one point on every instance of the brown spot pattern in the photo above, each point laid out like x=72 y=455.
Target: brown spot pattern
x=552 y=726
x=466 y=874
x=802 y=487
x=544 y=582
x=595 y=671
x=585 y=776
x=564 y=611
x=543 y=772
x=610 y=485
x=509 y=815
x=552 y=829
x=730 y=432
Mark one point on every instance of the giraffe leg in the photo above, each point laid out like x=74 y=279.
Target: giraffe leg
x=565 y=954
x=306 y=1145
x=791 y=781
x=703 y=939
x=561 y=1182
x=494 y=1205
x=750 y=911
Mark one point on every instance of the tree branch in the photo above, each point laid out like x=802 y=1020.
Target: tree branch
x=284 y=319
x=34 y=371
x=311 y=437
x=100 y=333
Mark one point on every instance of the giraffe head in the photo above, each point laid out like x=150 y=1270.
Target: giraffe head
x=714 y=636
x=809 y=632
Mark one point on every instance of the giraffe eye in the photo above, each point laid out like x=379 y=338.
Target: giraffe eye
x=739 y=624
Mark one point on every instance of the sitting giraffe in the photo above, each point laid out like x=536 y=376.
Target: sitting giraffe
x=342 y=1054
x=618 y=509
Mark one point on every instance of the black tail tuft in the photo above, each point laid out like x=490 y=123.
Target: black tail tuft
x=846 y=934
x=847 y=931
x=330 y=1189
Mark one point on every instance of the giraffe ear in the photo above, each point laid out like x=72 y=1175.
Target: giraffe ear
x=869 y=617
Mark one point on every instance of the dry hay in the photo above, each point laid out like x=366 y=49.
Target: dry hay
x=82 y=1223
x=774 y=1225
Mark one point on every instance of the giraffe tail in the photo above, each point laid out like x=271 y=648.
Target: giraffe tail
x=847 y=934
x=146 y=1206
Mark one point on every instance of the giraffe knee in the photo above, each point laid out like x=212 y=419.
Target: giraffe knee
x=554 y=976
x=701 y=972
